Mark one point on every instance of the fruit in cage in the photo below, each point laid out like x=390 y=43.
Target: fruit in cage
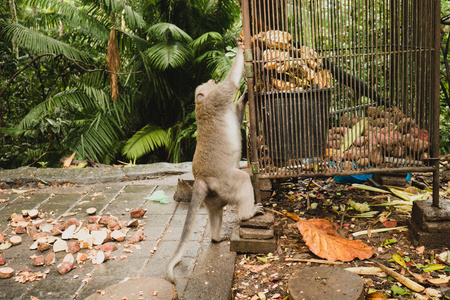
x=277 y=39
x=281 y=85
x=311 y=57
x=384 y=138
x=271 y=54
x=303 y=65
x=363 y=162
x=323 y=79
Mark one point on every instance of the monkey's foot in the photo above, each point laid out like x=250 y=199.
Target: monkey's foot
x=259 y=209
x=216 y=241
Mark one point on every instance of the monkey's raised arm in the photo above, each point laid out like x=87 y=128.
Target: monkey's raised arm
x=237 y=70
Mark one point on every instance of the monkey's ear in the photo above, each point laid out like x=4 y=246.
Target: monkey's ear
x=200 y=96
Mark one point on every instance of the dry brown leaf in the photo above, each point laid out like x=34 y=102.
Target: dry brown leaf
x=376 y=296
x=321 y=238
x=256 y=268
x=68 y=160
x=113 y=63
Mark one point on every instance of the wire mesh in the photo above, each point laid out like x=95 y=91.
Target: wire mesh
x=342 y=87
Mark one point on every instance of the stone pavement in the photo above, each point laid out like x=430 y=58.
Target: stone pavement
x=205 y=272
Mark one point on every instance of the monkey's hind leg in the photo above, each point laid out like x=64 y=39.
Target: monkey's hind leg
x=244 y=195
x=215 y=214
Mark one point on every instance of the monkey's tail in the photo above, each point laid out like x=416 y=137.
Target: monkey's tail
x=199 y=192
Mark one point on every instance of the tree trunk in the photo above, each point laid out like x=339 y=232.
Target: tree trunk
x=61 y=27
x=12 y=7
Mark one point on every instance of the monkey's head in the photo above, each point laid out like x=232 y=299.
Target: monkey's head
x=205 y=91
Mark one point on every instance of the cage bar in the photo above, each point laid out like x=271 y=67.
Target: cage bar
x=342 y=87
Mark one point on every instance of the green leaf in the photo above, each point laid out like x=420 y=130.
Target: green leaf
x=355 y=132
x=399 y=260
x=399 y=291
x=168 y=31
x=38 y=43
x=211 y=37
x=169 y=55
x=144 y=141
x=388 y=242
x=262 y=259
x=433 y=267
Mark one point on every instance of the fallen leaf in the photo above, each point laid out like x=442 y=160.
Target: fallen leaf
x=390 y=224
x=19 y=191
x=256 y=268
x=67 y=161
x=398 y=290
x=322 y=239
x=376 y=296
x=399 y=260
x=439 y=281
x=433 y=293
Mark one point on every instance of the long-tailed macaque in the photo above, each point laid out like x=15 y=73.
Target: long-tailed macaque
x=218 y=180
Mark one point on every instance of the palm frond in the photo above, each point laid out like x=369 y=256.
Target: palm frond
x=132 y=18
x=114 y=9
x=140 y=43
x=216 y=61
x=144 y=141
x=39 y=43
x=72 y=96
x=85 y=98
x=182 y=138
x=168 y=31
x=156 y=78
x=99 y=137
x=169 y=55
x=205 y=39
x=77 y=17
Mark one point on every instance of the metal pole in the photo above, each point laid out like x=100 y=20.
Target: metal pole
x=251 y=97
x=435 y=99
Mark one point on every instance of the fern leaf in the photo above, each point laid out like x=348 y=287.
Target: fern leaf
x=144 y=141
x=206 y=39
x=39 y=43
x=165 y=55
x=165 y=31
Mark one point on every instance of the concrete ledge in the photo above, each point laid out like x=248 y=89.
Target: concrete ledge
x=239 y=244
x=26 y=175
x=437 y=239
x=212 y=278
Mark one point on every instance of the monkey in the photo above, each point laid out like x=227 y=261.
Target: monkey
x=218 y=181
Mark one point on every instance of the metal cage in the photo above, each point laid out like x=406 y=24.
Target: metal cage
x=341 y=87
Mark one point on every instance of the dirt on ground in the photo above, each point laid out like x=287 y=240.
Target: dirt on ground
x=266 y=276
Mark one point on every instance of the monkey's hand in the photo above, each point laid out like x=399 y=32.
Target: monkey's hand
x=240 y=44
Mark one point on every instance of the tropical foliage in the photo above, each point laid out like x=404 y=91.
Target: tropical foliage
x=114 y=80
x=110 y=79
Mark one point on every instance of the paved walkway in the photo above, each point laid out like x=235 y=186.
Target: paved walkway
x=206 y=269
